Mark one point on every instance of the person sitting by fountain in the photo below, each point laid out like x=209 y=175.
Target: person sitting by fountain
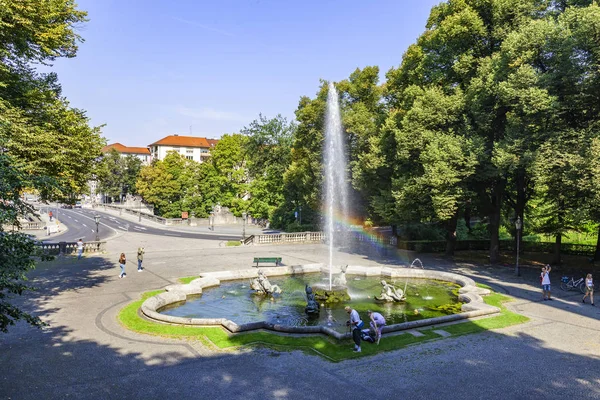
x=312 y=307
x=356 y=325
x=390 y=293
x=377 y=322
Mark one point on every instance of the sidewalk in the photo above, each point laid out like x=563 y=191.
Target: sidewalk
x=42 y=234
x=86 y=353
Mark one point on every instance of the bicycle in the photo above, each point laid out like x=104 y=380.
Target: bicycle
x=568 y=284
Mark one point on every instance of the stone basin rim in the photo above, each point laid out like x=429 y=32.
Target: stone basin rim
x=469 y=293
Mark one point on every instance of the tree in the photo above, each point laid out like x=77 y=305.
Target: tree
x=16 y=249
x=44 y=143
x=117 y=175
x=268 y=151
x=230 y=162
x=160 y=184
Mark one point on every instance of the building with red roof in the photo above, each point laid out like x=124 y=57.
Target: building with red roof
x=191 y=147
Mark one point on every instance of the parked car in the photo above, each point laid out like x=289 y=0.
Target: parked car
x=78 y=204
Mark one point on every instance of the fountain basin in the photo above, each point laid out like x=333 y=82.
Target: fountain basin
x=469 y=293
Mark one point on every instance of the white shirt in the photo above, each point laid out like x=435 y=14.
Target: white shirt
x=589 y=282
x=354 y=318
x=79 y=245
x=545 y=278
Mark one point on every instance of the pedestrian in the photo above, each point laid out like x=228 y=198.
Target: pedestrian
x=140 y=258
x=356 y=324
x=79 y=249
x=377 y=322
x=122 y=261
x=589 y=288
x=50 y=215
x=545 y=279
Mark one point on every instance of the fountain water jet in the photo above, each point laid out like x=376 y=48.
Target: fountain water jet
x=336 y=177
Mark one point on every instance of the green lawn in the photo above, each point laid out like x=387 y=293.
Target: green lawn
x=325 y=346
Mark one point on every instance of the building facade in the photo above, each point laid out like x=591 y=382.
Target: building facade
x=191 y=147
x=140 y=152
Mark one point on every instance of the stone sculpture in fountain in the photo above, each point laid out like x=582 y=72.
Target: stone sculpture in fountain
x=262 y=286
x=390 y=293
x=341 y=279
x=312 y=306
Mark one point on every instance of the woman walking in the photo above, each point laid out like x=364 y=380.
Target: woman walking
x=122 y=261
x=589 y=288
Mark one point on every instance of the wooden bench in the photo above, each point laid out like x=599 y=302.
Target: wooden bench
x=276 y=260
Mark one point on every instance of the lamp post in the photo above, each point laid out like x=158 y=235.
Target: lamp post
x=244 y=226
x=97 y=219
x=518 y=225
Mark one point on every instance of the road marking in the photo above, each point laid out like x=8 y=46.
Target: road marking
x=139 y=227
x=92 y=231
x=75 y=220
x=84 y=225
x=168 y=234
x=122 y=228
x=69 y=216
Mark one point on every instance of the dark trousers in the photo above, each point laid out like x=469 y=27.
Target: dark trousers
x=356 y=336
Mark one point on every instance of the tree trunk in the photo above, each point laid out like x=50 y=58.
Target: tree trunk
x=557 y=244
x=597 y=253
x=520 y=205
x=451 y=235
x=494 y=215
x=467 y=216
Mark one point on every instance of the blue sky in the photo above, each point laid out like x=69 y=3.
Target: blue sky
x=150 y=68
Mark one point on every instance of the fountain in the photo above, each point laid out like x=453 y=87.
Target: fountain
x=226 y=302
x=335 y=189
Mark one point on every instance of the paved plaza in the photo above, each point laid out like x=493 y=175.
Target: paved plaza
x=86 y=353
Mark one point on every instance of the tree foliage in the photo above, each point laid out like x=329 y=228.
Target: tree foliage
x=45 y=144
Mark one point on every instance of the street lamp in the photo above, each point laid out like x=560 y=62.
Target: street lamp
x=244 y=226
x=97 y=219
x=518 y=225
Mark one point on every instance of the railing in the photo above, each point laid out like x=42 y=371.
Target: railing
x=25 y=226
x=421 y=246
x=282 y=238
x=71 y=247
x=170 y=221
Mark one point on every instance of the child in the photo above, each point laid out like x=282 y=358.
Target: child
x=589 y=288
x=122 y=262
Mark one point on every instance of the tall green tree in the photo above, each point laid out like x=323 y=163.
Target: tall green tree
x=117 y=175
x=268 y=151
x=45 y=144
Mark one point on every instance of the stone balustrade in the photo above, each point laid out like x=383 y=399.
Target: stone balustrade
x=71 y=247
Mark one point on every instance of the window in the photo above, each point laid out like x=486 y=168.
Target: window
x=189 y=157
x=190 y=151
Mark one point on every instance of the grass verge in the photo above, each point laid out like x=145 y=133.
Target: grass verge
x=187 y=279
x=329 y=348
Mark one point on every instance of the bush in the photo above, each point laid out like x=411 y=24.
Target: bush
x=296 y=227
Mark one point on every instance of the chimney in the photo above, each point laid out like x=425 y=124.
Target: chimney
x=175 y=134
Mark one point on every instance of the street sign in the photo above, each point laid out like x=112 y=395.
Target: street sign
x=184 y=215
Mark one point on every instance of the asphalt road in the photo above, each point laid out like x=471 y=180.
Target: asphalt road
x=81 y=224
